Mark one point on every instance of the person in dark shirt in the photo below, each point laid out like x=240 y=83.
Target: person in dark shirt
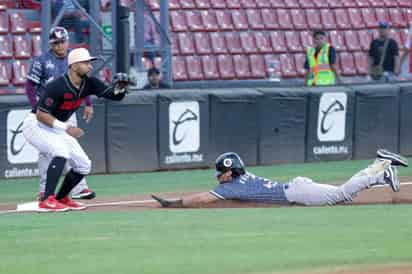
x=391 y=62
x=46 y=128
x=153 y=79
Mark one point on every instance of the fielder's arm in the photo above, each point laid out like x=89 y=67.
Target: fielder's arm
x=196 y=200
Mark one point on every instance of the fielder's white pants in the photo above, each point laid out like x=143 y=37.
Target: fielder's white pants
x=51 y=143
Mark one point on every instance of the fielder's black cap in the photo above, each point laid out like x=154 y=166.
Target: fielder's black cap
x=152 y=71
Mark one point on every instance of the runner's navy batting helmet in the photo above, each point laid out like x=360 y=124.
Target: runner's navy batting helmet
x=58 y=34
x=229 y=161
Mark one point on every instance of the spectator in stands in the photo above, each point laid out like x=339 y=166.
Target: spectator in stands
x=72 y=17
x=320 y=62
x=384 y=62
x=153 y=79
x=406 y=56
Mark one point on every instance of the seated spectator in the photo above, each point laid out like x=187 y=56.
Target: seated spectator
x=153 y=79
x=72 y=18
x=384 y=63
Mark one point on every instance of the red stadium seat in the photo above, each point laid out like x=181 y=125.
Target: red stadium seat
x=352 y=40
x=356 y=19
x=270 y=19
x=202 y=43
x=224 y=20
x=382 y=14
x=202 y=4
x=255 y=19
x=187 y=4
x=369 y=16
x=179 y=68
x=376 y=3
x=361 y=62
x=17 y=23
x=342 y=19
x=209 y=20
x=404 y=3
x=178 y=21
x=20 y=69
x=278 y=3
x=225 y=64
x=349 y=4
x=209 y=66
x=278 y=41
x=240 y=19
x=272 y=61
x=287 y=66
x=233 y=42
x=194 y=21
x=195 y=72
x=328 y=19
x=12 y=4
x=248 y=42
x=300 y=59
x=293 y=41
x=22 y=47
x=307 y=39
x=284 y=19
x=258 y=68
x=347 y=64
x=299 y=19
x=186 y=43
x=174 y=4
x=175 y=43
x=307 y=4
x=314 y=21
x=263 y=4
x=408 y=14
x=292 y=4
x=4 y=22
x=218 y=4
x=321 y=4
x=263 y=41
x=6 y=47
x=337 y=40
x=335 y=3
x=390 y=3
x=36 y=44
x=218 y=42
x=248 y=4
x=397 y=18
x=242 y=66
x=234 y=4
x=5 y=73
x=362 y=3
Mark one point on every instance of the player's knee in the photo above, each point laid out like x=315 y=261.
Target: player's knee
x=84 y=167
x=60 y=152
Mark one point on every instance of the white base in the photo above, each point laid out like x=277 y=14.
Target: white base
x=27 y=207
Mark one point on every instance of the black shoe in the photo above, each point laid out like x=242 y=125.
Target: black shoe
x=396 y=159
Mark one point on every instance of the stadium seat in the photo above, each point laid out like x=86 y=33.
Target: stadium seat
x=224 y=20
x=4 y=22
x=270 y=19
x=195 y=71
x=234 y=4
x=258 y=68
x=293 y=41
x=369 y=17
x=376 y=3
x=187 y=4
x=299 y=19
x=300 y=59
x=347 y=64
x=218 y=4
x=175 y=43
x=186 y=44
x=263 y=4
x=263 y=41
x=292 y=4
x=36 y=44
x=328 y=19
x=233 y=42
x=22 y=47
x=6 y=47
x=225 y=65
x=178 y=21
x=194 y=21
x=404 y=3
x=278 y=41
x=202 y=43
x=335 y=3
x=307 y=4
x=255 y=19
x=218 y=42
x=248 y=4
x=202 y=4
x=240 y=19
x=349 y=4
x=352 y=40
x=337 y=40
x=356 y=19
x=306 y=38
x=321 y=4
x=390 y=3
x=287 y=65
x=209 y=20
x=278 y=3
x=209 y=66
x=272 y=61
x=313 y=17
x=242 y=66
x=11 y=4
x=396 y=35
x=342 y=19
x=174 y=4
x=382 y=14
x=361 y=62
x=20 y=68
x=248 y=42
x=408 y=14
x=362 y=3
x=5 y=73
x=17 y=23
x=179 y=68
x=397 y=18
x=285 y=20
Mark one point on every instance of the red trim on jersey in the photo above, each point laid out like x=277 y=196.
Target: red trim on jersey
x=70 y=105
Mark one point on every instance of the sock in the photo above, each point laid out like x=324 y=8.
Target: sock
x=70 y=181
x=54 y=171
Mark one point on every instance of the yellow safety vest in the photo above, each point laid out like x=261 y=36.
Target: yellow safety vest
x=320 y=73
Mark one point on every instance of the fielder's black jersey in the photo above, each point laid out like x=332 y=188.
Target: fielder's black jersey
x=61 y=98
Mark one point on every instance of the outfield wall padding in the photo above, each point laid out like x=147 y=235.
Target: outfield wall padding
x=405 y=120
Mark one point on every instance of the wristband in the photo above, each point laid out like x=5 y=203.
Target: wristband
x=59 y=125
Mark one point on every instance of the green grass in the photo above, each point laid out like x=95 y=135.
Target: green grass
x=209 y=241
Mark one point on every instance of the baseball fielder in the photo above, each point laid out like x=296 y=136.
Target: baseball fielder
x=235 y=183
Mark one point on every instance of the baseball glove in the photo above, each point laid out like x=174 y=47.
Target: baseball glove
x=177 y=203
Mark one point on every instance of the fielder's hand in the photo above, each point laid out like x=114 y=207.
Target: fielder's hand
x=75 y=132
x=88 y=113
x=168 y=203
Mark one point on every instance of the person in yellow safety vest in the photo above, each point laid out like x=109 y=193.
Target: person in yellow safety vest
x=320 y=62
